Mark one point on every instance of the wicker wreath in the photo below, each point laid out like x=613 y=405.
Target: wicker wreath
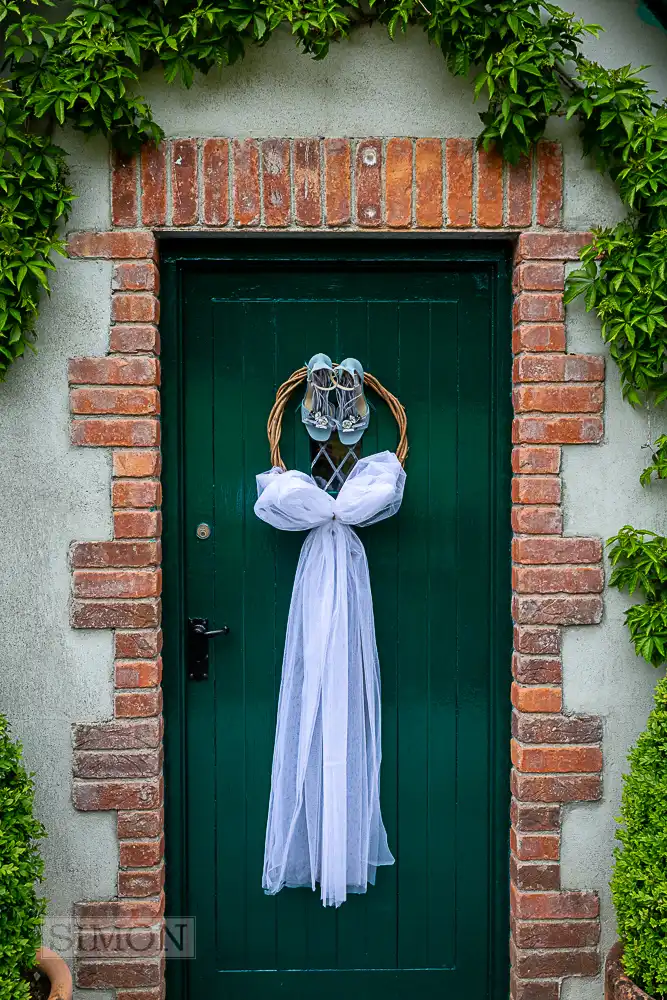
x=275 y=422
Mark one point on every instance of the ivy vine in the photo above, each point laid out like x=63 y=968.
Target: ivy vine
x=83 y=70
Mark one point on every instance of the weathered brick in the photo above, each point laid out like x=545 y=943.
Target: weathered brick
x=549 y=183
x=133 y=943
x=556 y=787
x=135 y=307
x=95 y=974
x=146 y=882
x=337 y=177
x=535 y=846
x=142 y=853
x=154 y=184
x=245 y=157
x=537 y=639
x=542 y=964
x=137 y=523
x=537 y=460
x=135 y=338
x=538 y=337
x=536 y=669
x=154 y=993
x=113 y=371
x=93 y=796
x=134 y=825
x=558 y=367
x=536 y=698
x=531 y=817
x=139 y=644
x=556 y=550
x=558 y=579
x=556 y=760
x=556 y=728
x=489 y=189
x=520 y=193
x=458 y=154
x=136 y=276
x=139 y=463
x=138 y=705
x=215 y=175
x=94 y=555
x=137 y=673
x=520 y=989
x=135 y=400
x=537 y=520
x=428 y=183
x=368 y=177
x=184 y=182
x=124 y=189
x=120 y=912
x=577 y=398
x=558 y=430
x=136 y=493
x=539 y=276
x=557 y=934
x=551 y=246
x=538 y=307
x=307 y=182
x=117 y=245
x=534 y=875
x=105 y=432
x=398 y=183
x=277 y=184
x=125 y=764
x=139 y=735
x=536 y=489
x=555 y=905
x=115 y=614
x=575 y=609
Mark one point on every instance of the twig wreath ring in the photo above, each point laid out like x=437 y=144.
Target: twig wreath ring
x=275 y=421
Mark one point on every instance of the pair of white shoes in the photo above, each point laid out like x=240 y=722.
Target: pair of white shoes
x=335 y=400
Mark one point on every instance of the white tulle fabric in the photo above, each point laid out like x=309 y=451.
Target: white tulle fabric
x=324 y=820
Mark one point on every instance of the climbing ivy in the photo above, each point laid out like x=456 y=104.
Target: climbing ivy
x=83 y=70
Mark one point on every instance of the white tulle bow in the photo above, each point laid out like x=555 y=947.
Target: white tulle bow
x=325 y=823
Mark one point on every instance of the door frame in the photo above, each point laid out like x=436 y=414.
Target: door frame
x=175 y=257
x=396 y=187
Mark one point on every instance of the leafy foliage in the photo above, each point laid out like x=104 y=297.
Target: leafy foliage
x=623 y=273
x=34 y=198
x=624 y=278
x=639 y=559
x=658 y=466
x=519 y=55
x=639 y=882
x=21 y=867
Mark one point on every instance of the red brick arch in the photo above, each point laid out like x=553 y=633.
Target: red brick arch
x=396 y=184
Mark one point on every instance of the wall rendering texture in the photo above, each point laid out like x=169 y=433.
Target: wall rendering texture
x=51 y=676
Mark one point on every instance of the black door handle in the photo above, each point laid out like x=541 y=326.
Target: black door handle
x=197 y=652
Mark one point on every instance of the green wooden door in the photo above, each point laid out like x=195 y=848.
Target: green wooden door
x=432 y=328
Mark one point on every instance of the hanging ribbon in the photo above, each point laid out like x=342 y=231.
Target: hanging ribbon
x=325 y=823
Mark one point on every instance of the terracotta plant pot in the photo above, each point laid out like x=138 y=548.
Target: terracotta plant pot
x=618 y=986
x=57 y=972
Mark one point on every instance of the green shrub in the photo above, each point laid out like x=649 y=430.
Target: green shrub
x=639 y=882
x=21 y=867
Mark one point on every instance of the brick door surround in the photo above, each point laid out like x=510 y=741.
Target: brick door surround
x=344 y=185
